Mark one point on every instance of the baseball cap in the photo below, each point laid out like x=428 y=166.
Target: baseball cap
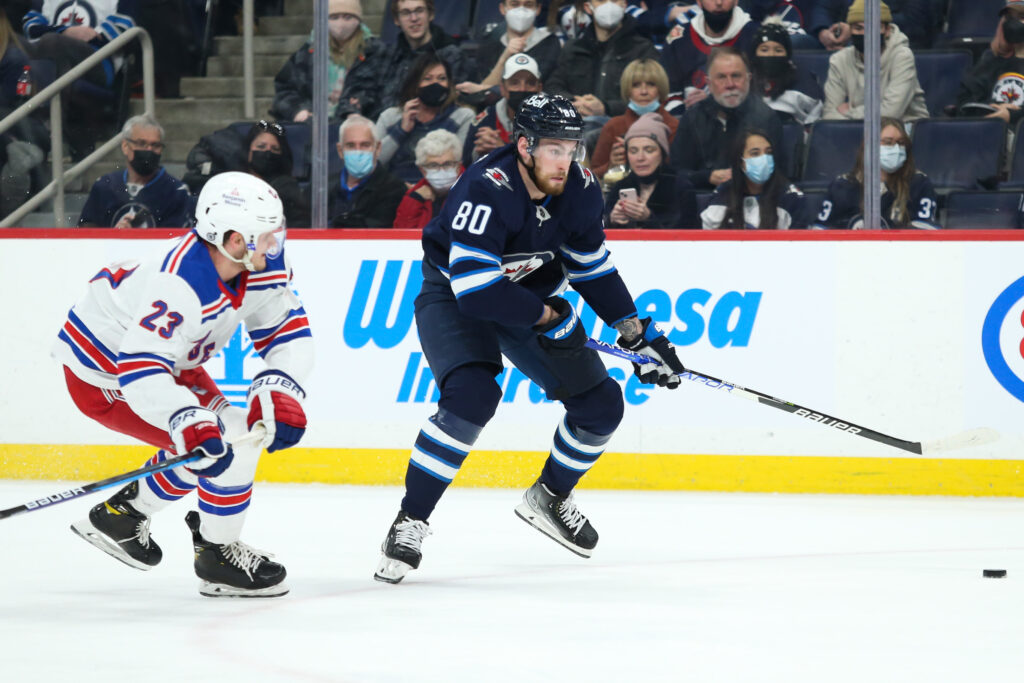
x=520 y=62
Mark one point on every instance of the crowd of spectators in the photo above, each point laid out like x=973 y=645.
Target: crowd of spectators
x=702 y=114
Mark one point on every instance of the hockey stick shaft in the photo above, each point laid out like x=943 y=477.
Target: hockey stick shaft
x=254 y=436
x=821 y=418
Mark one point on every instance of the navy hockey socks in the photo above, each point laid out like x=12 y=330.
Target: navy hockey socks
x=441 y=447
x=573 y=452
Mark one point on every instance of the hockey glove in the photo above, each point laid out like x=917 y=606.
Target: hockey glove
x=563 y=335
x=653 y=342
x=198 y=430
x=275 y=399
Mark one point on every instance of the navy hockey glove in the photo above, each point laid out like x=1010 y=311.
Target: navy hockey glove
x=653 y=342
x=563 y=335
x=275 y=399
x=198 y=430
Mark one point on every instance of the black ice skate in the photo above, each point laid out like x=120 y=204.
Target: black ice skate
x=559 y=518
x=234 y=570
x=121 y=531
x=401 y=548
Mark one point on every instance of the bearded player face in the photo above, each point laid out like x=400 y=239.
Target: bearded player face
x=551 y=161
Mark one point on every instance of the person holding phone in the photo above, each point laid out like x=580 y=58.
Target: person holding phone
x=652 y=195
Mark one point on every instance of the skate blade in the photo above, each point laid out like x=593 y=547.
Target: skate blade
x=526 y=513
x=391 y=571
x=94 y=536
x=222 y=590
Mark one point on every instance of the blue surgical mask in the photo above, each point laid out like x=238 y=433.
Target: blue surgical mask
x=358 y=164
x=759 y=169
x=892 y=158
x=642 y=109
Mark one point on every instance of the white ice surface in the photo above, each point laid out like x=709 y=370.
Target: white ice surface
x=682 y=587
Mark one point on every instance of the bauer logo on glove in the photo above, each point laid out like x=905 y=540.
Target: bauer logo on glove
x=275 y=400
x=652 y=342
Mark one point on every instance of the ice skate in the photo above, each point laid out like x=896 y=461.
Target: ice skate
x=121 y=531
x=559 y=518
x=234 y=570
x=401 y=548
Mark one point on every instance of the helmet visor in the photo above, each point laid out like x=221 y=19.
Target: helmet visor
x=271 y=243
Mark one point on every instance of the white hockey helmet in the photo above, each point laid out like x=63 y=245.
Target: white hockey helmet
x=242 y=203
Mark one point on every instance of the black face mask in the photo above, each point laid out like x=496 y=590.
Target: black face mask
x=145 y=162
x=858 y=43
x=717 y=21
x=266 y=163
x=1013 y=30
x=433 y=95
x=516 y=97
x=772 y=67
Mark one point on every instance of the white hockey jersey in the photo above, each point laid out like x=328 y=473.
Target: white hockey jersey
x=140 y=324
x=110 y=18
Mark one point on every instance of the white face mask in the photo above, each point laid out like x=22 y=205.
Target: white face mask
x=341 y=29
x=892 y=157
x=442 y=178
x=519 y=19
x=609 y=15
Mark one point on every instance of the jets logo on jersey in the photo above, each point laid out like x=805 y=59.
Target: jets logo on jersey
x=517 y=266
x=588 y=176
x=72 y=14
x=1009 y=89
x=498 y=177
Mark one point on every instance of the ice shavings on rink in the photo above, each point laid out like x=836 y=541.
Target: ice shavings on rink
x=682 y=587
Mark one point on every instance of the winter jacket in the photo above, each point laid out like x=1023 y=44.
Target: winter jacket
x=398 y=148
x=798 y=100
x=703 y=140
x=617 y=127
x=589 y=67
x=371 y=204
x=686 y=57
x=919 y=18
x=293 y=85
x=496 y=117
x=789 y=209
x=541 y=44
x=400 y=56
x=995 y=79
x=902 y=96
x=12 y=63
x=673 y=202
x=414 y=212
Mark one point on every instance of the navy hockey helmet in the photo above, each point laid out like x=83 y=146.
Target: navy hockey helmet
x=547 y=116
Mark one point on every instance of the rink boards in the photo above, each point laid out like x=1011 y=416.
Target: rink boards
x=914 y=335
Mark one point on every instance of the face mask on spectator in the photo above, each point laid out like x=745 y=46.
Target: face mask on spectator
x=342 y=29
x=642 y=109
x=433 y=95
x=772 y=67
x=442 y=178
x=358 y=164
x=858 y=43
x=516 y=97
x=266 y=163
x=717 y=21
x=892 y=158
x=519 y=19
x=145 y=162
x=609 y=15
x=1013 y=30
x=759 y=169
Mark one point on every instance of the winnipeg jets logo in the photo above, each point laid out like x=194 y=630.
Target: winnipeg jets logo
x=498 y=177
x=588 y=177
x=517 y=266
x=542 y=215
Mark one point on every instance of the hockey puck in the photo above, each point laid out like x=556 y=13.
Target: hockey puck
x=993 y=573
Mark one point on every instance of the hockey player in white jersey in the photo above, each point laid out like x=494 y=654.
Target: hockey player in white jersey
x=133 y=349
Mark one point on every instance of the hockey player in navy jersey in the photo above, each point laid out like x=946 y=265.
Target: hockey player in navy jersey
x=133 y=349
x=520 y=224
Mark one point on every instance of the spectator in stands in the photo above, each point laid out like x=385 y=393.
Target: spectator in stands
x=996 y=82
x=144 y=195
x=902 y=96
x=908 y=198
x=709 y=129
x=919 y=20
x=792 y=92
x=353 y=70
x=426 y=103
x=12 y=61
x=269 y=157
x=590 y=67
x=419 y=36
x=520 y=36
x=22 y=148
x=437 y=156
x=492 y=128
x=793 y=14
x=758 y=197
x=366 y=195
x=644 y=87
x=720 y=23
x=651 y=196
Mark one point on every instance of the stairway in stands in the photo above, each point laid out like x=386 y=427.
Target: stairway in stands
x=212 y=102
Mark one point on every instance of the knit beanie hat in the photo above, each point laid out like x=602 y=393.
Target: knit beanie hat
x=650 y=126
x=345 y=7
x=856 y=13
x=772 y=30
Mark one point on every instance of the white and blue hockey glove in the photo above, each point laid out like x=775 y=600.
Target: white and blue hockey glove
x=275 y=399
x=653 y=342
x=198 y=430
x=562 y=336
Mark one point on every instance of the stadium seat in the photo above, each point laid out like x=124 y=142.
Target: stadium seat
x=979 y=210
x=487 y=18
x=963 y=154
x=793 y=148
x=450 y=15
x=812 y=204
x=831 y=151
x=973 y=18
x=940 y=72
x=1016 y=179
x=815 y=61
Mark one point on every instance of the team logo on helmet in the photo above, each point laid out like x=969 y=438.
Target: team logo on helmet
x=498 y=177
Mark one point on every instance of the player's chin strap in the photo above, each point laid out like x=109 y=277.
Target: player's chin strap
x=246 y=259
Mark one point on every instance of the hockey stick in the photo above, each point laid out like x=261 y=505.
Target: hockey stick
x=973 y=437
x=253 y=437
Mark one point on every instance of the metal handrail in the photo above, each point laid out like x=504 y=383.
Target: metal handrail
x=56 y=187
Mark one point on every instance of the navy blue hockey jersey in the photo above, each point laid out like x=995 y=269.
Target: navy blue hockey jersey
x=841 y=207
x=163 y=202
x=505 y=253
